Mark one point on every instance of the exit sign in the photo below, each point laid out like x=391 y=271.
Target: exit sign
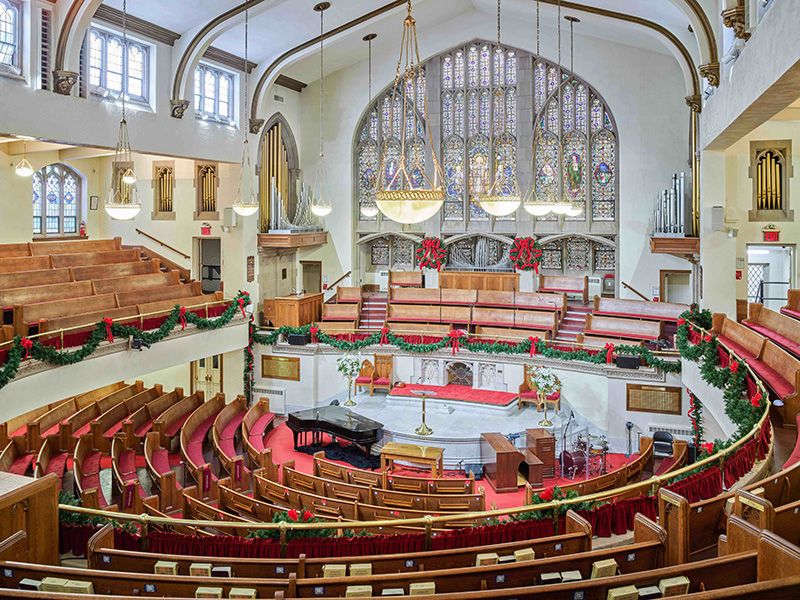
x=772 y=235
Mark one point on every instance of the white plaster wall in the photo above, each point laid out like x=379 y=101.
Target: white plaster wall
x=650 y=111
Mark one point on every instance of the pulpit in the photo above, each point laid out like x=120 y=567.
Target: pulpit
x=297 y=310
x=501 y=462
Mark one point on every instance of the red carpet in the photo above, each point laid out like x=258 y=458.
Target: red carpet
x=459 y=393
x=280 y=441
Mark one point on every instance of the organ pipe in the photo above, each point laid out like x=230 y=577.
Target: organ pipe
x=670 y=212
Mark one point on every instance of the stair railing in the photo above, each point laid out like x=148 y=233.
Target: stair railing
x=331 y=291
x=635 y=291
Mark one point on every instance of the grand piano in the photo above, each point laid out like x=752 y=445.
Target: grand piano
x=337 y=421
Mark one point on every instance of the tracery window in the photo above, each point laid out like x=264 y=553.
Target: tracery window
x=213 y=94
x=391 y=252
x=115 y=69
x=56 y=201
x=585 y=138
x=10 y=36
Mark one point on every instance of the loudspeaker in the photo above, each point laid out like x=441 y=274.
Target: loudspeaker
x=691 y=453
x=627 y=362
x=298 y=339
x=475 y=469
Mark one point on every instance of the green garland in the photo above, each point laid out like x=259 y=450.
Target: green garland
x=60 y=358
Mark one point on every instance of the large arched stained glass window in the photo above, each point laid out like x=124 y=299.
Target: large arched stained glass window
x=56 y=201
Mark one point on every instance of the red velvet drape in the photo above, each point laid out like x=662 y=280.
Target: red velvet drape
x=700 y=486
x=73 y=538
x=739 y=465
x=617 y=517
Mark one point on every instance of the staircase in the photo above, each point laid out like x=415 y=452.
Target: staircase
x=373 y=310
x=573 y=323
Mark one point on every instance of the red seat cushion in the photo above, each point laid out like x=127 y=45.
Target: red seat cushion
x=142 y=431
x=91 y=464
x=787 y=343
x=789 y=312
x=771 y=377
x=528 y=394
x=363 y=379
x=57 y=465
x=83 y=429
x=176 y=426
x=737 y=348
x=229 y=431
x=194 y=452
x=20 y=432
x=382 y=381
x=260 y=426
x=227 y=447
x=21 y=465
x=52 y=430
x=127 y=464
x=199 y=434
x=111 y=431
x=160 y=461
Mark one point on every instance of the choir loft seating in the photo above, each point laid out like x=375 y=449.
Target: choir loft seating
x=776 y=327
x=792 y=308
x=49 y=286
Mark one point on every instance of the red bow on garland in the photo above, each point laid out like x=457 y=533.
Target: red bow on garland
x=526 y=254
x=681 y=321
x=26 y=344
x=609 y=353
x=109 y=334
x=533 y=341
x=182 y=317
x=734 y=366
x=314 y=330
x=708 y=447
x=431 y=253
x=242 y=303
x=384 y=338
x=455 y=336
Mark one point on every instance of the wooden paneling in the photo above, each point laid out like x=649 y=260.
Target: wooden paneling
x=654 y=399
x=292 y=240
x=468 y=280
x=31 y=505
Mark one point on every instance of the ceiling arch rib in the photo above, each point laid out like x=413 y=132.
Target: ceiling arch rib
x=66 y=65
x=269 y=72
x=706 y=38
x=188 y=53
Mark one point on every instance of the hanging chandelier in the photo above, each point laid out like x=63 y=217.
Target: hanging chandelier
x=245 y=203
x=370 y=209
x=321 y=200
x=123 y=202
x=503 y=197
x=24 y=168
x=407 y=194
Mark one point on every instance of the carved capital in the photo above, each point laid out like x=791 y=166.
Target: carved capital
x=64 y=81
x=735 y=19
x=256 y=125
x=711 y=72
x=178 y=107
x=695 y=103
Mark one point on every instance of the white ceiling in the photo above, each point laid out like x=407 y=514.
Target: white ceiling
x=277 y=25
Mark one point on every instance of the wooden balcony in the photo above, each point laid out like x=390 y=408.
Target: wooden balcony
x=682 y=247
x=292 y=240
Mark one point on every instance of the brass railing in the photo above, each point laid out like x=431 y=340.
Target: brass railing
x=428 y=522
x=163 y=244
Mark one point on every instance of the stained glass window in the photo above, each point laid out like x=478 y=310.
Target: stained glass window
x=367 y=174
x=379 y=253
x=577 y=254
x=605 y=257
x=213 y=94
x=116 y=69
x=56 y=196
x=604 y=181
x=552 y=256
x=454 y=178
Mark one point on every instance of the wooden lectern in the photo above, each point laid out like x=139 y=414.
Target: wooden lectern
x=501 y=462
x=296 y=310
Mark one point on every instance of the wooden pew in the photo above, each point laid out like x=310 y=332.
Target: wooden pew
x=116 y=270
x=140 y=421
x=51 y=460
x=86 y=473
x=125 y=314
x=340 y=312
x=564 y=284
x=38 y=293
x=596 y=341
x=80 y=423
x=515 y=319
x=193 y=434
x=20 y=426
x=25 y=263
x=38 y=277
x=331 y=327
x=458 y=297
x=169 y=423
x=236 y=502
x=638 y=309
x=102 y=554
x=108 y=424
x=27 y=316
x=133 y=283
x=44 y=247
x=405 y=279
x=781 y=372
x=150 y=295
x=224 y=433
x=6 y=332
x=255 y=425
x=15 y=458
x=125 y=481
x=163 y=477
x=94 y=258
x=15 y=250
x=400 y=328
x=345 y=295
x=743 y=341
x=523 y=300
x=634 y=329
x=407 y=313
x=779 y=329
x=193 y=303
x=792 y=308
x=414 y=295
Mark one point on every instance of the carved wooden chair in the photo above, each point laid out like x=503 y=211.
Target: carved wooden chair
x=365 y=377
x=383 y=373
x=529 y=394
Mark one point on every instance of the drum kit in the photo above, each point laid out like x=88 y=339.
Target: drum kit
x=589 y=456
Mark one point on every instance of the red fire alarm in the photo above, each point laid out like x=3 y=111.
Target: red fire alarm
x=205 y=229
x=738 y=274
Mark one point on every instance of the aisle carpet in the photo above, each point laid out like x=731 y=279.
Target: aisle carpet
x=458 y=393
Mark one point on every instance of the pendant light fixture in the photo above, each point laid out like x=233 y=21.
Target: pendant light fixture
x=370 y=209
x=406 y=193
x=321 y=201
x=560 y=206
x=123 y=202
x=537 y=202
x=503 y=197
x=24 y=168
x=245 y=203
x=574 y=208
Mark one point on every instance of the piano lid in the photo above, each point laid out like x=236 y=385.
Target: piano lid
x=337 y=415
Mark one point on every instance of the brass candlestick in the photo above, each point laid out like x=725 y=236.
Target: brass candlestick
x=423 y=429
x=349 y=401
x=544 y=422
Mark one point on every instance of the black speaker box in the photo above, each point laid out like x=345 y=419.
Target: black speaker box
x=691 y=453
x=298 y=339
x=627 y=362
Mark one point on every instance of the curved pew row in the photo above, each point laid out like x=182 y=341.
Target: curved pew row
x=102 y=555
x=169 y=423
x=140 y=421
x=164 y=479
x=192 y=437
x=225 y=432
x=256 y=424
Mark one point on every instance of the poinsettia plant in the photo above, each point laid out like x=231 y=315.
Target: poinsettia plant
x=545 y=380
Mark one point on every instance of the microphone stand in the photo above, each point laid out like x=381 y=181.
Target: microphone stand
x=564 y=439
